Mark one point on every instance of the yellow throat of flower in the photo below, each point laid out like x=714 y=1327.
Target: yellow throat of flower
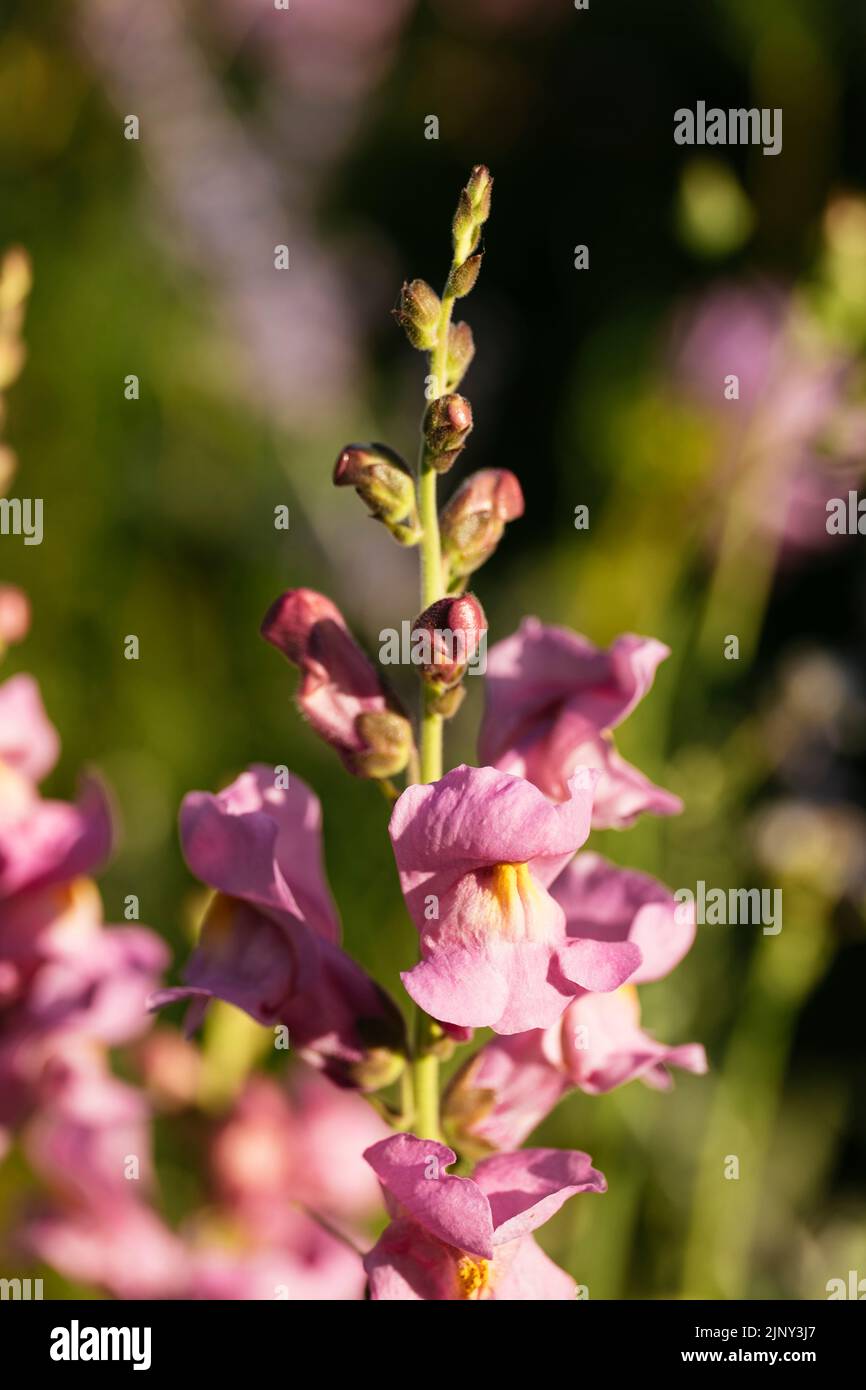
x=473 y=1276
x=517 y=899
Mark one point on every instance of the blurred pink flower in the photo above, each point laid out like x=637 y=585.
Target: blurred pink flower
x=796 y=435
x=278 y=1145
x=14 y=614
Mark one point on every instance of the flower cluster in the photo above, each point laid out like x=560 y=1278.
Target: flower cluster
x=521 y=931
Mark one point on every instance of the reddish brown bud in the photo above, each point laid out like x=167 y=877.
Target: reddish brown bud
x=473 y=520
x=447 y=424
x=448 y=637
x=341 y=694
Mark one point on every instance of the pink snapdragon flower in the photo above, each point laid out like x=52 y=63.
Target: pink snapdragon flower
x=454 y=1238
x=269 y=940
x=477 y=852
x=512 y=1083
x=552 y=698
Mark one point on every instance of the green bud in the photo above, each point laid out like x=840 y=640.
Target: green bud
x=461 y=350
x=473 y=210
x=388 y=739
x=383 y=481
x=418 y=314
x=462 y=278
x=447 y=702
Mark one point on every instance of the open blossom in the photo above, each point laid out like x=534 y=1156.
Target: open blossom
x=454 y=1238
x=552 y=698
x=509 y=1087
x=477 y=852
x=341 y=694
x=269 y=940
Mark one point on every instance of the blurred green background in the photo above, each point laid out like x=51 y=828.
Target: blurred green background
x=155 y=257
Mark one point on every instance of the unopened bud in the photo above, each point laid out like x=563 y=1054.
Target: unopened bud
x=418 y=314
x=473 y=210
x=462 y=278
x=461 y=350
x=465 y=1107
x=473 y=520
x=341 y=694
x=383 y=481
x=447 y=703
x=379 y=1067
x=447 y=637
x=14 y=615
x=387 y=739
x=447 y=424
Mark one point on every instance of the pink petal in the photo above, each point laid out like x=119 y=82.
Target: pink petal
x=524 y=1084
x=605 y=903
x=53 y=841
x=263 y=844
x=526 y=1188
x=603 y=1045
x=451 y=1209
x=408 y=1265
x=530 y=1275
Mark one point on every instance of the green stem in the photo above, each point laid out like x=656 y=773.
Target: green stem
x=425 y=1066
x=427 y=1097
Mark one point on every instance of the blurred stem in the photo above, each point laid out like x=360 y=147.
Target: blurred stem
x=746 y=1101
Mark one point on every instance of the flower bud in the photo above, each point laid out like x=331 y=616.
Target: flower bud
x=418 y=314
x=473 y=520
x=14 y=615
x=461 y=350
x=446 y=637
x=473 y=210
x=387 y=740
x=341 y=694
x=383 y=481
x=447 y=425
x=462 y=278
x=465 y=1107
